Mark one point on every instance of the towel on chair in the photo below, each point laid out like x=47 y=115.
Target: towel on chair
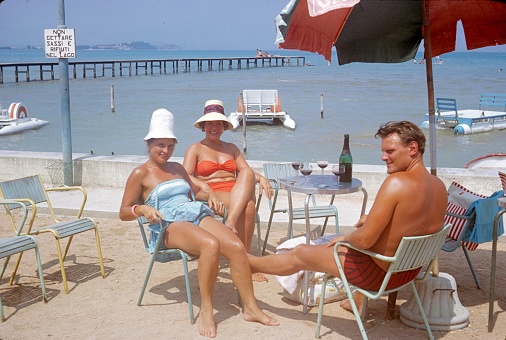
x=486 y=209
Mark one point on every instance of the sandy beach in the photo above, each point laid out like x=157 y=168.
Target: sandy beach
x=106 y=308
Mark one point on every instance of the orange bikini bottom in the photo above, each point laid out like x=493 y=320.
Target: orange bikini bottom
x=222 y=186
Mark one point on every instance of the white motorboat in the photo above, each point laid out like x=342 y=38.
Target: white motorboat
x=260 y=106
x=491 y=161
x=16 y=120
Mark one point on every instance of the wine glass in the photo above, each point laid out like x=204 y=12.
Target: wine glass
x=306 y=169
x=322 y=164
x=296 y=165
x=338 y=170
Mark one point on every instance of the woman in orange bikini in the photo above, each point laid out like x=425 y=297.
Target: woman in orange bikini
x=220 y=167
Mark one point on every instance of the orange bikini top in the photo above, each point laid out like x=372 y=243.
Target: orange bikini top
x=206 y=168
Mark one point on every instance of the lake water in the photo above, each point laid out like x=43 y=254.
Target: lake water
x=357 y=98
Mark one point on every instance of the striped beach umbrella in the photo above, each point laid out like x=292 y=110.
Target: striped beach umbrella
x=390 y=31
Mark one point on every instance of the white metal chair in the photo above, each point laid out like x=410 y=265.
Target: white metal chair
x=163 y=255
x=17 y=245
x=413 y=252
x=274 y=172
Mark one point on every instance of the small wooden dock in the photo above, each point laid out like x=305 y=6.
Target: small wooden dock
x=39 y=71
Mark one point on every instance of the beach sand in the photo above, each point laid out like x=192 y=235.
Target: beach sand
x=105 y=308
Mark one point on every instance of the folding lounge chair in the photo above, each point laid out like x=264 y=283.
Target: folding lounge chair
x=459 y=200
x=163 y=255
x=17 y=245
x=413 y=252
x=274 y=172
x=31 y=190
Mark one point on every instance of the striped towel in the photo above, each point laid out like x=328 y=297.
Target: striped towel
x=459 y=201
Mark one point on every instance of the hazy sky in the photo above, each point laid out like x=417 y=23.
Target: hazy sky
x=190 y=24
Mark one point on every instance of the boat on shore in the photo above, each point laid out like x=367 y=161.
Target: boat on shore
x=491 y=161
x=16 y=120
x=469 y=121
x=262 y=106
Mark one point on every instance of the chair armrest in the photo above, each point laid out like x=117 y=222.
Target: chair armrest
x=73 y=188
x=366 y=252
x=25 y=213
x=465 y=217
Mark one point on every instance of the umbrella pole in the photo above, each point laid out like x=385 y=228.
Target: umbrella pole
x=244 y=142
x=430 y=86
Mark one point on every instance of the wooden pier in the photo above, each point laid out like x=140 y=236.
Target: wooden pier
x=39 y=71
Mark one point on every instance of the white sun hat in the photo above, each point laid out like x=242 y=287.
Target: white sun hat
x=214 y=111
x=161 y=125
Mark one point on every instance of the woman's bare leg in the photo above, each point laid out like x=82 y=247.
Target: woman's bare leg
x=241 y=193
x=233 y=249
x=245 y=225
x=194 y=240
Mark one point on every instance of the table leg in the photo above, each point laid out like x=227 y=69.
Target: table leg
x=290 y=216
x=308 y=232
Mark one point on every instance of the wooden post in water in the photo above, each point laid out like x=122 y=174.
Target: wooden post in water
x=244 y=142
x=113 y=108
x=321 y=105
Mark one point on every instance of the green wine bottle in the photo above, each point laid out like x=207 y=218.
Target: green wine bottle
x=346 y=160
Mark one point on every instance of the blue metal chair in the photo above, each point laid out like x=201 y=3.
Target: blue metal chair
x=163 y=255
x=17 y=245
x=32 y=191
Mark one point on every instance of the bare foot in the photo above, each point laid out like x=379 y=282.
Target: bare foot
x=231 y=226
x=259 y=277
x=207 y=326
x=359 y=302
x=258 y=315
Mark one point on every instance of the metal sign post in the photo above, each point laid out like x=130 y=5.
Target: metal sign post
x=60 y=43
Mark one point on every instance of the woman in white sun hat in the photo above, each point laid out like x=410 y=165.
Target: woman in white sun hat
x=221 y=168
x=162 y=189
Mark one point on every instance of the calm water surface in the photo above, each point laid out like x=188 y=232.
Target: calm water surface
x=357 y=98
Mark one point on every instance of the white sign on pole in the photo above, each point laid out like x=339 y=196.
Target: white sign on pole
x=60 y=43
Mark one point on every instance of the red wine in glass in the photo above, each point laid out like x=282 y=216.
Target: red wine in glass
x=338 y=170
x=306 y=169
x=322 y=164
x=296 y=165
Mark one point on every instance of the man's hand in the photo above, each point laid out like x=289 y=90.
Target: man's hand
x=361 y=221
x=339 y=238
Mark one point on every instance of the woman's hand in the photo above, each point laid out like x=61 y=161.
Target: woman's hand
x=216 y=204
x=150 y=213
x=266 y=187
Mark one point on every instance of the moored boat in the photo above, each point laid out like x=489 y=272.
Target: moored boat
x=491 y=161
x=260 y=106
x=16 y=120
x=469 y=121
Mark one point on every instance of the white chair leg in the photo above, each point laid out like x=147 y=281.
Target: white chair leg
x=422 y=312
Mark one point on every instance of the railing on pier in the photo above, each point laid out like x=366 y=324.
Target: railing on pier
x=85 y=69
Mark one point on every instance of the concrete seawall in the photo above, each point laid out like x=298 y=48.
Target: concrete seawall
x=104 y=178
x=113 y=171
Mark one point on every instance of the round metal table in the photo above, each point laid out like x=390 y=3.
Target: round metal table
x=318 y=185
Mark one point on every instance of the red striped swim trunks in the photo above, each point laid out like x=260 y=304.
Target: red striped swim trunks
x=362 y=271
